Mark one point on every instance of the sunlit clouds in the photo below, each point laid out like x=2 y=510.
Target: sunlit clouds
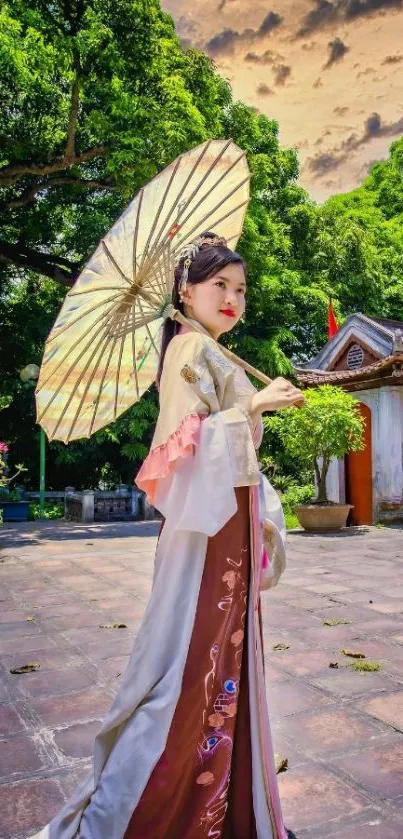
x=331 y=73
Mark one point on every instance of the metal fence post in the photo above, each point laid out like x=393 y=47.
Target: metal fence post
x=42 y=459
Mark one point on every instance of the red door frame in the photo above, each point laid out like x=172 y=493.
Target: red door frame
x=359 y=478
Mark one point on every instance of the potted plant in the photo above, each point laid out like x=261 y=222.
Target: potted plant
x=12 y=505
x=328 y=426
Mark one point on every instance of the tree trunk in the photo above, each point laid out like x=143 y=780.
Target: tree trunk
x=321 y=475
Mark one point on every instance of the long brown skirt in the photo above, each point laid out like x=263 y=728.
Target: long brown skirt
x=202 y=784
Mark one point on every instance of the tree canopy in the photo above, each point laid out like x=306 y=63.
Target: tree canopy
x=97 y=97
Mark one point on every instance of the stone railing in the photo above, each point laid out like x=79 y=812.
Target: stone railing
x=79 y=506
x=123 y=504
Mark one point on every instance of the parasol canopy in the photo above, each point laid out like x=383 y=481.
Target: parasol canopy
x=102 y=352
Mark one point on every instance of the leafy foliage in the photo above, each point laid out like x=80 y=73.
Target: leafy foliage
x=298 y=495
x=295 y=494
x=328 y=426
x=365 y=666
x=51 y=511
x=365 y=227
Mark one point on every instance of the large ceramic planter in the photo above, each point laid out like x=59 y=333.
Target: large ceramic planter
x=15 y=510
x=322 y=517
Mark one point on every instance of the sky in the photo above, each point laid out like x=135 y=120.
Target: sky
x=329 y=71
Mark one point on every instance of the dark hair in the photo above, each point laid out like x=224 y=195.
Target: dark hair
x=209 y=260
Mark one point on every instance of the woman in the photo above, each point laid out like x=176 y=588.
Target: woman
x=185 y=751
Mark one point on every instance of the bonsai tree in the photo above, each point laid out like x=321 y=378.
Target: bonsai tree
x=329 y=425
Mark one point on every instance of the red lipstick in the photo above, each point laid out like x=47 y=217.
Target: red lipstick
x=228 y=312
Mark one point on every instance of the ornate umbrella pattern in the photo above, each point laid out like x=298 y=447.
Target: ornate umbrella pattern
x=102 y=352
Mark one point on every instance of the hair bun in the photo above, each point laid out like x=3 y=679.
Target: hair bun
x=212 y=241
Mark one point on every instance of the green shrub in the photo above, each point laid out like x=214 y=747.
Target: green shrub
x=295 y=495
x=291 y=521
x=53 y=510
x=298 y=495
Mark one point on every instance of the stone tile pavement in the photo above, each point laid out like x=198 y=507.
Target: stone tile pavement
x=340 y=730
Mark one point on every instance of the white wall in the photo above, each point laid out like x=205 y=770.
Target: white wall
x=335 y=482
x=389 y=467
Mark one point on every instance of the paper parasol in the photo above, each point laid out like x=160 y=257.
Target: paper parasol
x=102 y=353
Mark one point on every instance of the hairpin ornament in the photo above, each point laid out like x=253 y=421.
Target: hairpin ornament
x=190 y=251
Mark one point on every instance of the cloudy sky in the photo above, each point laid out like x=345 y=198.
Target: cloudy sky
x=330 y=72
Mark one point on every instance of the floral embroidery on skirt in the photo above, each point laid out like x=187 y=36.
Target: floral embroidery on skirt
x=202 y=785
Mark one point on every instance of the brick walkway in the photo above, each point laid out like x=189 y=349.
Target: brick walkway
x=339 y=729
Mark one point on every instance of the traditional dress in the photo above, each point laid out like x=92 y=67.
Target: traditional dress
x=185 y=751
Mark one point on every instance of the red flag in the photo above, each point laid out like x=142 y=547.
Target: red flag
x=332 y=325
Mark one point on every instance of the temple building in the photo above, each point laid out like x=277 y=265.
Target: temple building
x=365 y=357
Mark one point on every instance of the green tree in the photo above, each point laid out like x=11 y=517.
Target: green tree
x=363 y=232
x=97 y=96
x=329 y=425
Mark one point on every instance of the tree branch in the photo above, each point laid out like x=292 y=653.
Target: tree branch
x=26 y=197
x=70 y=149
x=45 y=11
x=32 y=191
x=56 y=267
x=11 y=173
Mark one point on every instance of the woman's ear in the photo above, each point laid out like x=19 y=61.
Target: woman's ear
x=185 y=295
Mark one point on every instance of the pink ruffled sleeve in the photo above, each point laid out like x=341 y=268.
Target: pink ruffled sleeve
x=162 y=459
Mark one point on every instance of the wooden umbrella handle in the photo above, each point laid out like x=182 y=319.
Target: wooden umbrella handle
x=176 y=315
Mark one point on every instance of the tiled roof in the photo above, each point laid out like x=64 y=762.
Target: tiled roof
x=322 y=377
x=393 y=325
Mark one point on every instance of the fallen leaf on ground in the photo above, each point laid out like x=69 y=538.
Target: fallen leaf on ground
x=334 y=664
x=281 y=763
x=334 y=621
x=352 y=653
x=25 y=668
x=365 y=666
x=281 y=647
x=112 y=626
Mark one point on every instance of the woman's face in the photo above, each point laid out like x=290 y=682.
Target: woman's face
x=219 y=302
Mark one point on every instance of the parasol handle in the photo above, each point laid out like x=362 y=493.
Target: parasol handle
x=176 y=315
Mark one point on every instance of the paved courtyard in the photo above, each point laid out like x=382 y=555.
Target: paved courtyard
x=340 y=730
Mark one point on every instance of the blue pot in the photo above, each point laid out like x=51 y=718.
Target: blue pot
x=15 y=510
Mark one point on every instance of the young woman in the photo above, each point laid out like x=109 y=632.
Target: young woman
x=185 y=751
